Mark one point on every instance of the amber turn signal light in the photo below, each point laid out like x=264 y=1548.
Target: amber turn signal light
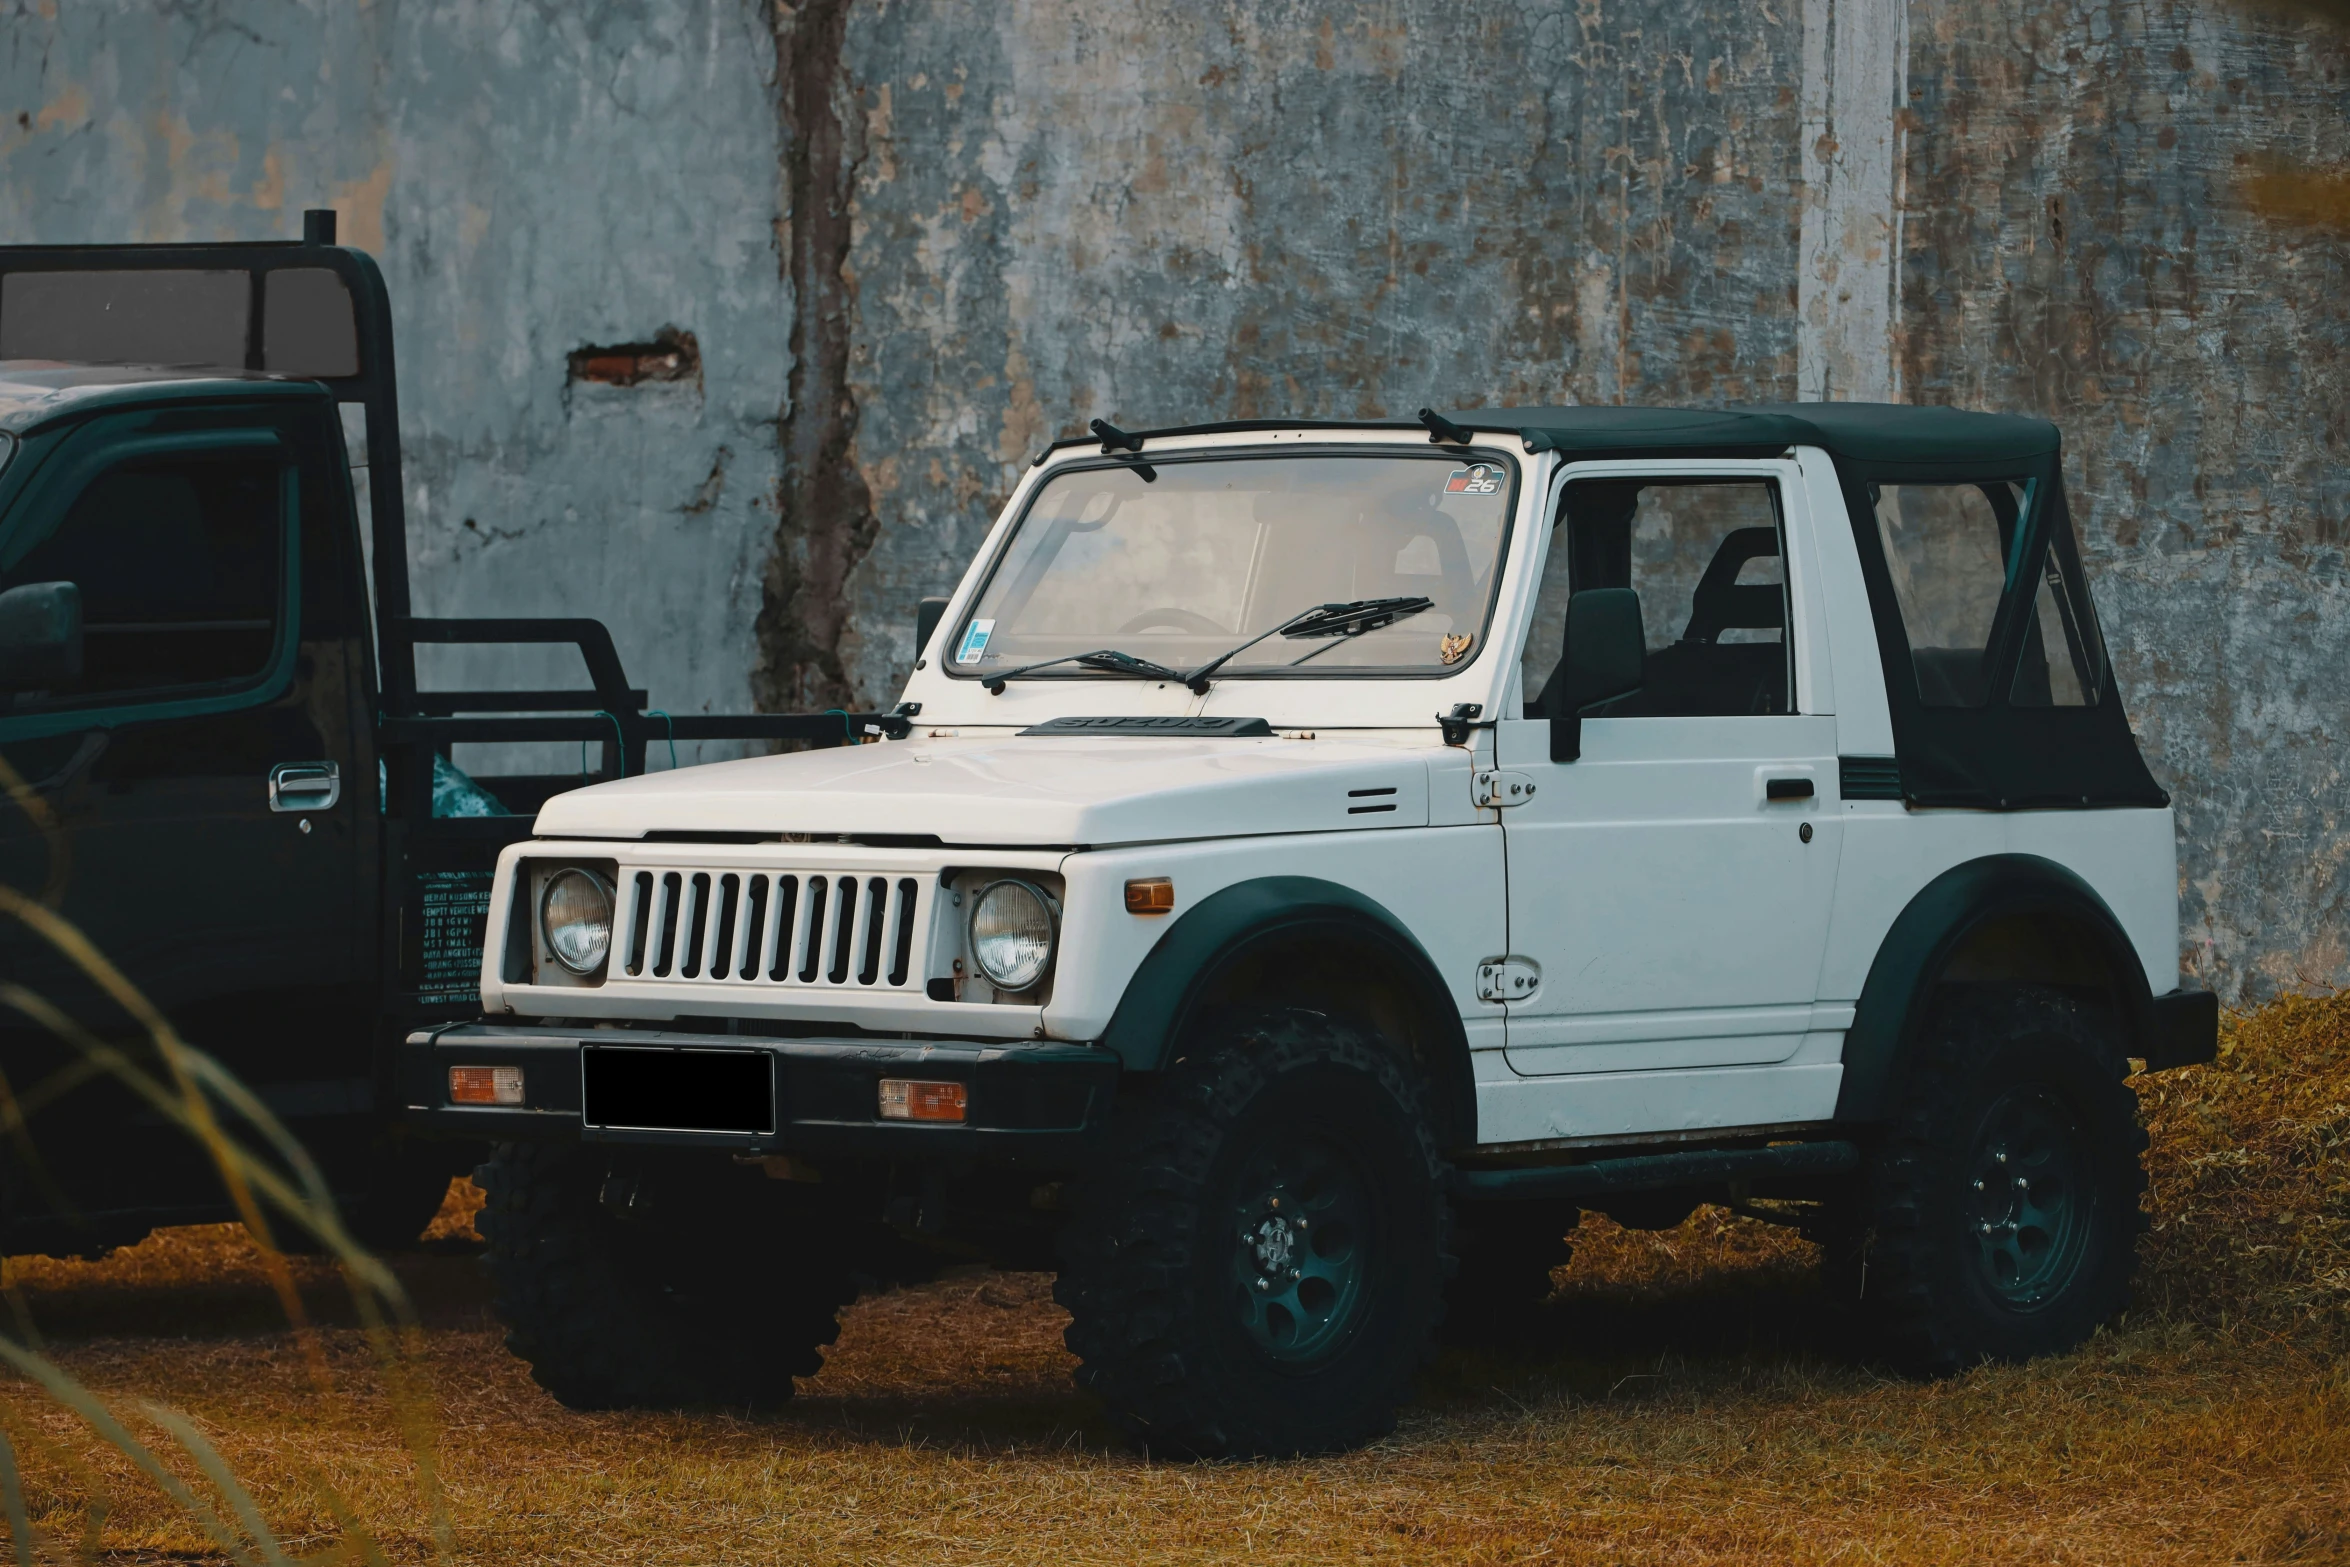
x=1150 y=895
x=903 y=1099
x=485 y=1085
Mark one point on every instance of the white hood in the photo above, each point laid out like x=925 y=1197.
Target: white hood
x=1021 y=790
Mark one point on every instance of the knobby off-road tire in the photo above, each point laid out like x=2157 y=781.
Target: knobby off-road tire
x=2001 y=1214
x=656 y=1284
x=1258 y=1268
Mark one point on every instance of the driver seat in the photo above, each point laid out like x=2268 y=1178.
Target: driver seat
x=1701 y=675
x=1721 y=603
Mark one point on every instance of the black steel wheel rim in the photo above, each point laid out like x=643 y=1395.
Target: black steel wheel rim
x=2028 y=1203
x=1303 y=1237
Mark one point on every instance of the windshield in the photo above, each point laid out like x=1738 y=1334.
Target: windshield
x=1177 y=567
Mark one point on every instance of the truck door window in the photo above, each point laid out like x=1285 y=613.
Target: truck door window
x=1948 y=548
x=1704 y=556
x=179 y=561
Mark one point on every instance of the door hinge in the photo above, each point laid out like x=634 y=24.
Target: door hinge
x=1507 y=979
x=1489 y=786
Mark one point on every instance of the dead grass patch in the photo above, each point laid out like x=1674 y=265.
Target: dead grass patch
x=1699 y=1403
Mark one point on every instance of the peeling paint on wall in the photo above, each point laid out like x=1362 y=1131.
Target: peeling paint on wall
x=532 y=179
x=824 y=521
x=1847 y=308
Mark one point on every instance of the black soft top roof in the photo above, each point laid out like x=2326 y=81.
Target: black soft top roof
x=1863 y=432
x=1853 y=432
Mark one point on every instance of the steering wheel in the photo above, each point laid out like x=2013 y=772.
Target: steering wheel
x=1179 y=619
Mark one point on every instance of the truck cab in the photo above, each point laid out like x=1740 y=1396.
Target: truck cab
x=1320 y=860
x=228 y=822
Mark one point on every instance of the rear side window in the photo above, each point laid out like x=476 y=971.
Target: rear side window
x=180 y=563
x=2063 y=661
x=1948 y=548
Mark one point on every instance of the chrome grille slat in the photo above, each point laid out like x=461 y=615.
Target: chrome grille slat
x=624 y=933
x=747 y=912
x=783 y=911
x=840 y=929
x=810 y=949
x=872 y=918
x=901 y=944
x=692 y=905
x=864 y=931
x=661 y=943
x=713 y=904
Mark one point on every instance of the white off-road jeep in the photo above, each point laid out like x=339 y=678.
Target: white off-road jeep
x=1309 y=864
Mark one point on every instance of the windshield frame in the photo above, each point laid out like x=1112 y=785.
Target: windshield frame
x=967 y=608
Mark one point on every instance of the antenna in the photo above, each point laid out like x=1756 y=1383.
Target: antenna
x=318 y=226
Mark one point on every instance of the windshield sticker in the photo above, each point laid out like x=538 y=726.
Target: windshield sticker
x=1479 y=478
x=975 y=641
x=1455 y=646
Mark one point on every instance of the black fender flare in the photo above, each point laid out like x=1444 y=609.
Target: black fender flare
x=1919 y=946
x=1248 y=916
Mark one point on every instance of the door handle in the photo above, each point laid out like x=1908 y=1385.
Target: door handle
x=305 y=786
x=1787 y=789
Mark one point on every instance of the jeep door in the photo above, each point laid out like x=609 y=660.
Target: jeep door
x=1670 y=889
x=203 y=794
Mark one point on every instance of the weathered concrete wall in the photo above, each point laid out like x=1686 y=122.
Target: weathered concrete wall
x=2078 y=243
x=916 y=238
x=1159 y=213
x=1172 y=212
x=533 y=179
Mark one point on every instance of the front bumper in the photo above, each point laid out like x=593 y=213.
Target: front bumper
x=1026 y=1103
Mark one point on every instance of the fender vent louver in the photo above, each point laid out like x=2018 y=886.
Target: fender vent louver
x=1868 y=777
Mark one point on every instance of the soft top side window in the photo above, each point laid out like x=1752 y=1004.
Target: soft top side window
x=1950 y=550
x=2063 y=663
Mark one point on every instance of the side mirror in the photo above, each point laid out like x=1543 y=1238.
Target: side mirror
x=927 y=614
x=1606 y=657
x=40 y=635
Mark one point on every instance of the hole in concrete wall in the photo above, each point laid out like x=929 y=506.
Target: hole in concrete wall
x=672 y=355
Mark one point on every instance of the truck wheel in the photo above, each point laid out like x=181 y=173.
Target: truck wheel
x=2002 y=1211
x=655 y=1285
x=1259 y=1268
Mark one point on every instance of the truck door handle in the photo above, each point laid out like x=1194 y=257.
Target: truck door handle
x=305 y=786
x=1787 y=789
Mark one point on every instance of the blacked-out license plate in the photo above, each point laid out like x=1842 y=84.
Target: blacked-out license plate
x=677 y=1090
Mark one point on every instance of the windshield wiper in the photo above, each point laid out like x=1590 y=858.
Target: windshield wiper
x=1350 y=619
x=1109 y=660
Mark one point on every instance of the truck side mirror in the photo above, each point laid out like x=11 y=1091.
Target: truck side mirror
x=1606 y=657
x=927 y=614
x=40 y=635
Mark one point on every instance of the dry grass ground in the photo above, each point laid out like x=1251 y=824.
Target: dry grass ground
x=1697 y=1404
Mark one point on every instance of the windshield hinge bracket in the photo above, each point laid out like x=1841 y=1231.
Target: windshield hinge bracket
x=1457 y=724
x=1441 y=431
x=1113 y=438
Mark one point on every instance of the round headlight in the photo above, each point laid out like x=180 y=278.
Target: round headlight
x=1012 y=934
x=575 y=917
